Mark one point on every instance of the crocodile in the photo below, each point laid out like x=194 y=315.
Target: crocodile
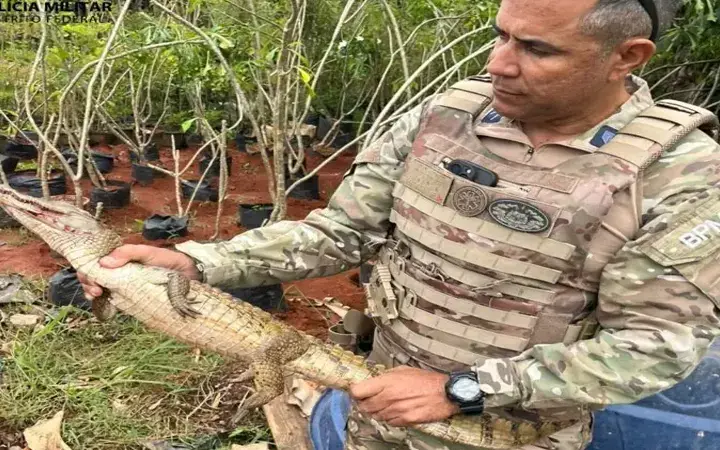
x=210 y=319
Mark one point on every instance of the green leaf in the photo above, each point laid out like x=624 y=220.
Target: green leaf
x=304 y=75
x=187 y=124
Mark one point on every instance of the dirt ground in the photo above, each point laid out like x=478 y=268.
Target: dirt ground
x=25 y=255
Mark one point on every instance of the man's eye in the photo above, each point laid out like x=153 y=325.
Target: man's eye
x=538 y=51
x=499 y=33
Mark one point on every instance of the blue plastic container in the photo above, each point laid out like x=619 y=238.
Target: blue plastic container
x=685 y=417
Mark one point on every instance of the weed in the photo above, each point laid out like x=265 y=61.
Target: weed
x=119 y=384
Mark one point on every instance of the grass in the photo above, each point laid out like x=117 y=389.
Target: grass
x=119 y=384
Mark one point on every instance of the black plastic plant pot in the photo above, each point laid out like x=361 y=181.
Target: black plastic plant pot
x=269 y=298
x=21 y=150
x=341 y=140
x=240 y=143
x=205 y=193
x=194 y=139
x=307 y=190
x=252 y=215
x=27 y=137
x=115 y=195
x=104 y=161
x=312 y=118
x=160 y=226
x=151 y=153
x=27 y=182
x=64 y=289
x=215 y=167
x=110 y=138
x=8 y=163
x=142 y=174
x=180 y=139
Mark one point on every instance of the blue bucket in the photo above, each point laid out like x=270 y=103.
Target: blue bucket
x=328 y=420
x=684 y=417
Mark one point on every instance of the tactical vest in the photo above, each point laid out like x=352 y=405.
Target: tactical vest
x=473 y=272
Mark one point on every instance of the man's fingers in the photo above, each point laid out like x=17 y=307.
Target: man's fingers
x=124 y=254
x=367 y=388
x=373 y=404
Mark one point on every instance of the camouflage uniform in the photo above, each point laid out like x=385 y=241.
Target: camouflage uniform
x=655 y=300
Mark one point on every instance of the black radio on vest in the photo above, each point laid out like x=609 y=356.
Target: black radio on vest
x=473 y=172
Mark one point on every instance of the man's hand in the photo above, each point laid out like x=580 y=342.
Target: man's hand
x=145 y=254
x=404 y=396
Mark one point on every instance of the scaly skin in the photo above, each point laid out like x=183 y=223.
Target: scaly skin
x=213 y=320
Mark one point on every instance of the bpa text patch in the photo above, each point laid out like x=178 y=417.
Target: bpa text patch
x=690 y=236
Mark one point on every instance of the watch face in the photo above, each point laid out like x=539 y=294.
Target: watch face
x=465 y=389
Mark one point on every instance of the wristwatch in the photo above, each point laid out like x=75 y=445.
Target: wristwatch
x=463 y=389
x=200 y=267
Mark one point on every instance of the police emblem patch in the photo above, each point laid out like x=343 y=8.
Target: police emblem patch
x=519 y=216
x=469 y=201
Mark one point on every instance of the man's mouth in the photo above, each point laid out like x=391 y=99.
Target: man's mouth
x=505 y=92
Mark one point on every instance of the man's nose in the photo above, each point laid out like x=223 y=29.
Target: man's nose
x=503 y=60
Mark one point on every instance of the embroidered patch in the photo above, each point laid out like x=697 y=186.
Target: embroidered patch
x=427 y=180
x=469 y=201
x=691 y=235
x=519 y=216
x=604 y=135
x=491 y=117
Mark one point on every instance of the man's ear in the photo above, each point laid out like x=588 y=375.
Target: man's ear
x=630 y=55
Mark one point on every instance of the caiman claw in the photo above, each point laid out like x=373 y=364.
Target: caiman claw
x=180 y=296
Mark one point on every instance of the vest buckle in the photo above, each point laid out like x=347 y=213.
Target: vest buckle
x=380 y=293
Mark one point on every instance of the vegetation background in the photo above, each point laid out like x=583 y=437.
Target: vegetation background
x=250 y=35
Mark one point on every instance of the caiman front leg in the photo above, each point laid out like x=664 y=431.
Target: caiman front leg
x=180 y=296
x=104 y=243
x=266 y=369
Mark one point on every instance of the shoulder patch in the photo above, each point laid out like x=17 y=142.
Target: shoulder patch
x=491 y=117
x=691 y=236
x=604 y=135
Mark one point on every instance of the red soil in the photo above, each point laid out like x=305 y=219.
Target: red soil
x=29 y=256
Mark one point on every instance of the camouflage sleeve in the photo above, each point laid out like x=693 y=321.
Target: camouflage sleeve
x=657 y=302
x=347 y=232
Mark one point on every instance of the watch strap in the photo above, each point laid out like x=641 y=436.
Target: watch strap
x=475 y=408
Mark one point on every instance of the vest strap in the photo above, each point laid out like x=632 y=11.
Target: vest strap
x=474 y=256
x=669 y=115
x=470 y=95
x=551 y=328
x=486 y=229
x=641 y=144
x=633 y=154
x=480 y=281
x=458 y=329
x=654 y=134
x=459 y=305
x=434 y=346
x=439 y=348
x=469 y=106
x=475 y=86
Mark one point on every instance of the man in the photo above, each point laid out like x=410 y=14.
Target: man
x=597 y=215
